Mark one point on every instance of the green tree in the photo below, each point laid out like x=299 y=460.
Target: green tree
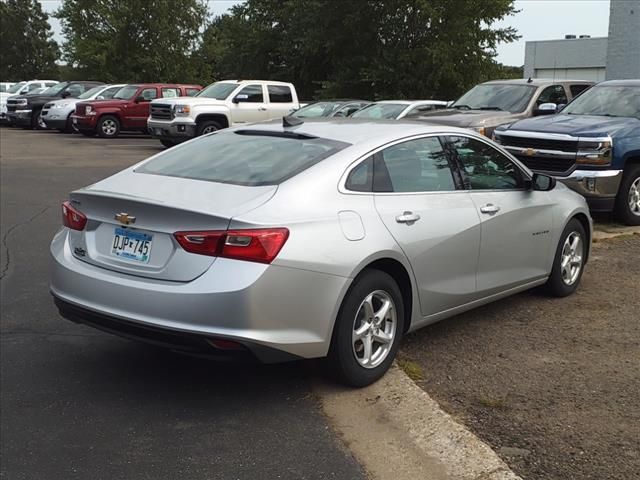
x=361 y=48
x=27 y=48
x=126 y=41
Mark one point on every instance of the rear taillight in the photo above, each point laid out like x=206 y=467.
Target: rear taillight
x=72 y=218
x=256 y=245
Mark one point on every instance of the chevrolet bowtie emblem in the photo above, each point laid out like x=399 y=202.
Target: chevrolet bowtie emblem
x=530 y=152
x=125 y=218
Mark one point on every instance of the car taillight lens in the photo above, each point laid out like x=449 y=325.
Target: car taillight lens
x=72 y=218
x=255 y=245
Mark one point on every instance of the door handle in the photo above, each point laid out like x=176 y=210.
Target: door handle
x=262 y=109
x=490 y=208
x=408 y=217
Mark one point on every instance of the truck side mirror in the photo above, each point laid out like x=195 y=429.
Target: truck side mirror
x=546 y=109
x=241 y=97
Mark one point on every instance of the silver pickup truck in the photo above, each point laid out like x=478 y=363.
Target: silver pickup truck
x=498 y=102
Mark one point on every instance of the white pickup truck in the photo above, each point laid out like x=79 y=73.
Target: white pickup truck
x=222 y=104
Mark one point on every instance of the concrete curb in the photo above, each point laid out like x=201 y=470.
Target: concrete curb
x=397 y=431
x=607 y=232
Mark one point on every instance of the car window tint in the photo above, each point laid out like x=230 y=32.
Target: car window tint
x=553 y=94
x=148 y=93
x=33 y=86
x=75 y=90
x=253 y=92
x=484 y=167
x=109 y=92
x=279 y=94
x=360 y=179
x=243 y=157
x=577 y=89
x=192 y=91
x=419 y=165
x=170 y=92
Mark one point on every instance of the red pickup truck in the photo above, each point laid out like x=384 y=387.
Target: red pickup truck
x=127 y=110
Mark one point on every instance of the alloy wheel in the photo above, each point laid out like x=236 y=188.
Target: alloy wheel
x=634 y=197
x=208 y=129
x=374 y=329
x=41 y=123
x=109 y=127
x=571 y=263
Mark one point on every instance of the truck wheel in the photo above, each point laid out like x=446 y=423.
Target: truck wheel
x=368 y=330
x=168 y=143
x=207 y=127
x=108 y=126
x=36 y=121
x=627 y=208
x=568 y=263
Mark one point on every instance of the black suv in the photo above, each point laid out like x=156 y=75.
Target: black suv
x=24 y=111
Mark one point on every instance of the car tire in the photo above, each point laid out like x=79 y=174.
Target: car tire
x=168 y=143
x=207 y=127
x=36 y=121
x=569 y=261
x=356 y=356
x=627 y=209
x=68 y=127
x=108 y=126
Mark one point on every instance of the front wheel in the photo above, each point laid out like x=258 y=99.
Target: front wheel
x=108 y=127
x=627 y=208
x=207 y=127
x=368 y=330
x=37 y=123
x=568 y=263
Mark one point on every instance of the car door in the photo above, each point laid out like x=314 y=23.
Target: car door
x=433 y=220
x=280 y=101
x=137 y=109
x=516 y=221
x=552 y=94
x=249 y=105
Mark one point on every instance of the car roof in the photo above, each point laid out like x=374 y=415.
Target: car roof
x=156 y=85
x=632 y=82
x=412 y=102
x=355 y=130
x=270 y=82
x=535 y=81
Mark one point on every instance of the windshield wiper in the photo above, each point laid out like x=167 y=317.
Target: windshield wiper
x=489 y=108
x=461 y=107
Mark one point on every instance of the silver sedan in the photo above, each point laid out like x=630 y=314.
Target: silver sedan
x=328 y=238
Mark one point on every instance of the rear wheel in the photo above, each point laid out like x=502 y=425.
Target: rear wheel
x=108 y=127
x=627 y=208
x=568 y=264
x=168 y=143
x=207 y=127
x=68 y=127
x=368 y=329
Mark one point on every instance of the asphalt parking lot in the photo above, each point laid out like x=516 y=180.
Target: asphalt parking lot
x=80 y=404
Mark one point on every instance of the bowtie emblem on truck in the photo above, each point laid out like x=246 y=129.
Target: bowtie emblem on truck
x=530 y=152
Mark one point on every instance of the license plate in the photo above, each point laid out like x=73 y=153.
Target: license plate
x=132 y=245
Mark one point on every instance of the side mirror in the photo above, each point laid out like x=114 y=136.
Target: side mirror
x=241 y=97
x=140 y=99
x=65 y=94
x=542 y=183
x=546 y=109
x=99 y=97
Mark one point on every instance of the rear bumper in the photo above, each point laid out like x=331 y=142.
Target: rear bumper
x=267 y=308
x=599 y=187
x=174 y=131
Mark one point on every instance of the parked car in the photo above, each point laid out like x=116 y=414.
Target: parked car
x=57 y=114
x=593 y=146
x=21 y=88
x=494 y=103
x=220 y=105
x=26 y=110
x=330 y=108
x=287 y=240
x=128 y=110
x=4 y=86
x=397 y=109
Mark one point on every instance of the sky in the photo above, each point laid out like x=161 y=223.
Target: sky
x=536 y=20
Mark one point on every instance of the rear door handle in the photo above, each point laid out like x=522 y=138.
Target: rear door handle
x=408 y=217
x=262 y=109
x=490 y=209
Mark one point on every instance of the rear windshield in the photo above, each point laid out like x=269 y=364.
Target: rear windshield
x=243 y=157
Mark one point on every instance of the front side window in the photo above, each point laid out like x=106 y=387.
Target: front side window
x=607 y=100
x=75 y=90
x=16 y=88
x=149 y=94
x=243 y=157
x=33 y=86
x=52 y=91
x=484 y=167
x=253 y=94
x=553 y=94
x=279 y=94
x=419 y=165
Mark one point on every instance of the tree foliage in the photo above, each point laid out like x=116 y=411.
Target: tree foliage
x=133 y=41
x=27 y=48
x=361 y=48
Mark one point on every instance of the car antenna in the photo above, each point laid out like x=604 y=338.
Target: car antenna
x=529 y=81
x=290 y=121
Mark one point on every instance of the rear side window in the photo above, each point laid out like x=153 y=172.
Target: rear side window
x=170 y=92
x=577 y=89
x=361 y=178
x=279 y=94
x=243 y=157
